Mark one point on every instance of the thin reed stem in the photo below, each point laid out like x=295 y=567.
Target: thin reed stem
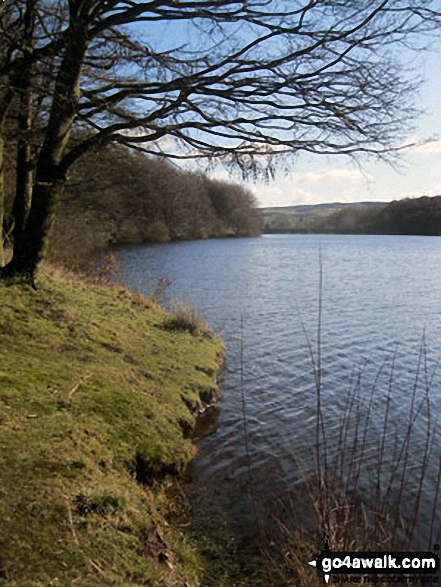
x=405 y=450
x=435 y=508
x=426 y=453
x=351 y=512
x=378 y=500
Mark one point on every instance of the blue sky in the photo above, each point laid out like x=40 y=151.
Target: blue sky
x=314 y=179
x=318 y=179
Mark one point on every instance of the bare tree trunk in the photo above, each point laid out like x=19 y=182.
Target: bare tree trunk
x=2 y=198
x=23 y=188
x=5 y=102
x=24 y=89
x=31 y=245
x=23 y=185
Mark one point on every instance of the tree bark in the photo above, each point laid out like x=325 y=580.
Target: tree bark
x=5 y=102
x=31 y=245
x=24 y=89
x=23 y=188
x=2 y=197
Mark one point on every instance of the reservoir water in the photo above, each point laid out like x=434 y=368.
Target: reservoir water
x=380 y=341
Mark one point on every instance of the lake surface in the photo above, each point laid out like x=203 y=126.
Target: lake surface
x=381 y=295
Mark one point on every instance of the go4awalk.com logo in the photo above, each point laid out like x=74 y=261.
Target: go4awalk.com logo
x=404 y=564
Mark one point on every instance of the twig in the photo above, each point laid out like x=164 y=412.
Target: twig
x=75 y=387
x=71 y=524
x=96 y=567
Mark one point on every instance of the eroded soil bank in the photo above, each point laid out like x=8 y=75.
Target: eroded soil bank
x=98 y=399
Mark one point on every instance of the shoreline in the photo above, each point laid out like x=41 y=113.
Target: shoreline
x=98 y=406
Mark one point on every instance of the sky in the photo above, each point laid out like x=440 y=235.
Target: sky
x=316 y=179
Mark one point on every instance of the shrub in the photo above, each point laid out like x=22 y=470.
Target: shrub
x=186 y=317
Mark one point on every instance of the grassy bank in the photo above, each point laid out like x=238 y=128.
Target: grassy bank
x=98 y=395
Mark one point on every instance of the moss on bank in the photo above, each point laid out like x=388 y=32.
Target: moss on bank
x=97 y=400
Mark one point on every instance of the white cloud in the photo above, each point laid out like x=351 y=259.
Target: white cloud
x=335 y=174
x=283 y=194
x=222 y=175
x=435 y=190
x=313 y=187
x=417 y=145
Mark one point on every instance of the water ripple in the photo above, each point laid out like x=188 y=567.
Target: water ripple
x=380 y=294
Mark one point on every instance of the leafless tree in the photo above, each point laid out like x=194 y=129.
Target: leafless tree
x=242 y=81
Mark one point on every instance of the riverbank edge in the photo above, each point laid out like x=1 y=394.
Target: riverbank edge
x=99 y=397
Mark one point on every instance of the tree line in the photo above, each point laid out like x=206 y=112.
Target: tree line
x=413 y=216
x=122 y=197
x=248 y=83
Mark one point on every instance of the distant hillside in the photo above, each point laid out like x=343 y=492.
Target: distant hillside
x=290 y=218
x=419 y=216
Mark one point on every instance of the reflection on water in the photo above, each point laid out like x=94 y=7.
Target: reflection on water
x=380 y=293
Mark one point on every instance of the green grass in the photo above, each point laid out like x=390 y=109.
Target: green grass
x=96 y=401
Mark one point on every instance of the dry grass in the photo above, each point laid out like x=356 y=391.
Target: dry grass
x=369 y=482
x=386 y=512
x=367 y=492
x=186 y=317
